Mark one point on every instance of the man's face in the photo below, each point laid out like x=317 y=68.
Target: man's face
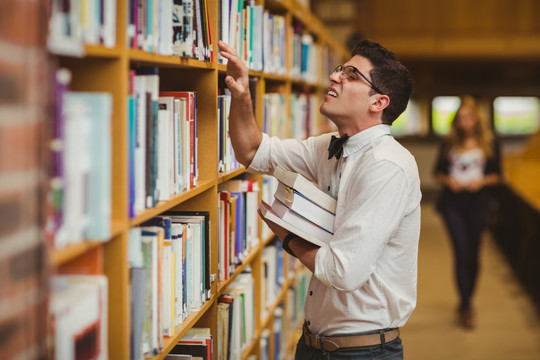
x=347 y=98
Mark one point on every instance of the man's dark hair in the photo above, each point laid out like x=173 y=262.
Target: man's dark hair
x=389 y=75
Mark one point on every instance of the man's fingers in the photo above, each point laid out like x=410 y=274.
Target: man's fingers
x=232 y=85
x=226 y=48
x=230 y=81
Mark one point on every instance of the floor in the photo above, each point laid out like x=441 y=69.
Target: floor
x=508 y=325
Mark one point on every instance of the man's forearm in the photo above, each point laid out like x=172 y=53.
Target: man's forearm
x=245 y=133
x=304 y=251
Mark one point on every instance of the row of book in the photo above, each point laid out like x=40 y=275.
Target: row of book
x=182 y=28
x=170 y=27
x=79 y=198
x=304 y=113
x=236 y=317
x=74 y=23
x=162 y=152
x=272 y=274
x=258 y=36
x=276 y=336
x=162 y=141
x=285 y=332
x=296 y=297
x=169 y=259
x=238 y=224
x=197 y=344
x=275 y=115
x=306 y=55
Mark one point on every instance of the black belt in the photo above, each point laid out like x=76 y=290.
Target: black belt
x=332 y=343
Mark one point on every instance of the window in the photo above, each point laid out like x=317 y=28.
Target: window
x=516 y=115
x=409 y=122
x=444 y=109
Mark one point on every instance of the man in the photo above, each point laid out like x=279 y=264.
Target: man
x=363 y=286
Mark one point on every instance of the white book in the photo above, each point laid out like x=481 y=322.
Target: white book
x=165 y=38
x=151 y=334
x=306 y=188
x=77 y=159
x=168 y=103
x=233 y=23
x=108 y=30
x=304 y=207
x=296 y=224
x=166 y=317
x=97 y=108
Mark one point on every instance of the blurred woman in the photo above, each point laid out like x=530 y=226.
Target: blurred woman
x=468 y=162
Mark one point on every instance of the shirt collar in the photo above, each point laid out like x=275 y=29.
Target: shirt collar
x=358 y=141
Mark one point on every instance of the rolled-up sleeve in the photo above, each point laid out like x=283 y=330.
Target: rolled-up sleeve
x=301 y=156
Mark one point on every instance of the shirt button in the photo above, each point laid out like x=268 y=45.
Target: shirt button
x=311 y=293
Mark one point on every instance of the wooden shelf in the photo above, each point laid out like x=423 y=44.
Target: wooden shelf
x=145 y=58
x=107 y=69
x=226 y=176
x=163 y=206
x=99 y=51
x=71 y=252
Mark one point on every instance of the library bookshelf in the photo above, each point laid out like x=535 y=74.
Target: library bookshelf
x=105 y=69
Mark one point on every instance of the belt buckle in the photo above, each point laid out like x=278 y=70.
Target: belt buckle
x=327 y=344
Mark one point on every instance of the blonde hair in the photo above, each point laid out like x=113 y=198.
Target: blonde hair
x=482 y=133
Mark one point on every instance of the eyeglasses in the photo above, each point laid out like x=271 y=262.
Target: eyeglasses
x=349 y=72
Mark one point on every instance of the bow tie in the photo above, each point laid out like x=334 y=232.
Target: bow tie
x=336 y=146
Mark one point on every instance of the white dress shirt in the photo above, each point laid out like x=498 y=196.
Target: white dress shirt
x=365 y=278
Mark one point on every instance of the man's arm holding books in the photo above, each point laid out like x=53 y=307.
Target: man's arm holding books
x=302 y=249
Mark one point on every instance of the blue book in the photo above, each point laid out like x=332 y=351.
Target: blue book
x=240 y=216
x=132 y=143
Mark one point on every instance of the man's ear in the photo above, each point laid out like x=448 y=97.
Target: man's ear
x=381 y=103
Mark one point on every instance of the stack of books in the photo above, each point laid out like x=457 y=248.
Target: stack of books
x=301 y=207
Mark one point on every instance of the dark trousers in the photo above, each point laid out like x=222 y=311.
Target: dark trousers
x=465 y=218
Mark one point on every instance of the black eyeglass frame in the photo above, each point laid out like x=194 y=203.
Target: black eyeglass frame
x=340 y=68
